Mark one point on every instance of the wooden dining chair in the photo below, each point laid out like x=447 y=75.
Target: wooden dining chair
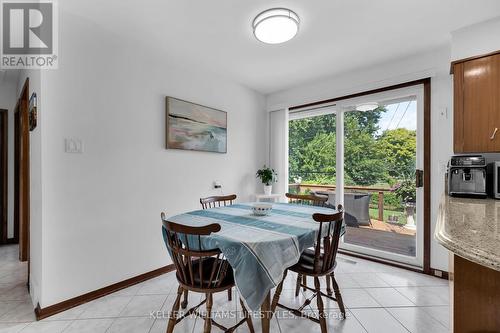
x=307 y=199
x=217 y=201
x=310 y=200
x=199 y=270
x=316 y=263
x=206 y=203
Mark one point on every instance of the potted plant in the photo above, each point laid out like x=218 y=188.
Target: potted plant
x=407 y=191
x=268 y=177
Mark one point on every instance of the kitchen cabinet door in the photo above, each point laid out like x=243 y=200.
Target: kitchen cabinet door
x=494 y=116
x=477 y=105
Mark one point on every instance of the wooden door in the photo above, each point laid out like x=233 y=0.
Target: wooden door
x=481 y=104
x=3 y=175
x=22 y=173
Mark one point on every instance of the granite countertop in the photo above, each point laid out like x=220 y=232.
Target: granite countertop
x=470 y=228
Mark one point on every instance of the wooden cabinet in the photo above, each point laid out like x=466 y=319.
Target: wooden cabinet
x=477 y=105
x=474 y=297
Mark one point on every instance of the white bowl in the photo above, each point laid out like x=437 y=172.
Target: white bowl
x=262 y=208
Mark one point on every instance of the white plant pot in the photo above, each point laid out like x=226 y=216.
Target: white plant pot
x=268 y=189
x=410 y=223
x=410 y=212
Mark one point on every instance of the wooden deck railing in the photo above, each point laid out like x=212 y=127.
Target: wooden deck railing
x=380 y=190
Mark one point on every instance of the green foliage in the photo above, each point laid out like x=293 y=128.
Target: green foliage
x=319 y=154
x=362 y=162
x=391 y=201
x=369 y=157
x=312 y=148
x=406 y=190
x=267 y=175
x=399 y=147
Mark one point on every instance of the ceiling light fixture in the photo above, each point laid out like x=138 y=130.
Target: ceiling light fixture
x=276 y=25
x=367 y=107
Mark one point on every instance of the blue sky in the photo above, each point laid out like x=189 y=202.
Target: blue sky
x=396 y=115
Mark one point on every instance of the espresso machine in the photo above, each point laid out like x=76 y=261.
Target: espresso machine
x=467 y=176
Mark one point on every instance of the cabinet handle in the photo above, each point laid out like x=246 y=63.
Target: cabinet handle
x=494 y=134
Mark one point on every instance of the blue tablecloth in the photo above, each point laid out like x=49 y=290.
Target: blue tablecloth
x=259 y=248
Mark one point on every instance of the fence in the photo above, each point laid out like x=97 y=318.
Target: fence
x=316 y=187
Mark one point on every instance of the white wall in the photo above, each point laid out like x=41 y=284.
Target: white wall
x=36 y=220
x=8 y=102
x=481 y=38
x=433 y=64
x=101 y=209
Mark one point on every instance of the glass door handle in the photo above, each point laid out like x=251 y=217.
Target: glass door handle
x=419 y=178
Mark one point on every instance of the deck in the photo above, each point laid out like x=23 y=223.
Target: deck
x=385 y=240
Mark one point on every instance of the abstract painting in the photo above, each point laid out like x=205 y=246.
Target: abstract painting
x=195 y=127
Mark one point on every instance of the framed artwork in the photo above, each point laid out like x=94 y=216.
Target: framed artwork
x=32 y=112
x=192 y=126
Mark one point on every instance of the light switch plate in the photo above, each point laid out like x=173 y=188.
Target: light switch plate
x=74 y=146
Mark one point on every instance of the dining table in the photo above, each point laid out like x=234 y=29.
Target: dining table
x=259 y=248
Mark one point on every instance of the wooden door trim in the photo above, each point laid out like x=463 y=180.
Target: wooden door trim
x=4 y=167
x=426 y=83
x=427 y=176
x=51 y=310
x=359 y=94
x=455 y=62
x=16 y=174
x=458 y=105
x=23 y=174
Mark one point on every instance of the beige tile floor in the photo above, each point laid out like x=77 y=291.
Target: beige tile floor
x=379 y=298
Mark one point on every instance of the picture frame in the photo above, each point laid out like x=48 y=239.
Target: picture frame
x=191 y=126
x=32 y=112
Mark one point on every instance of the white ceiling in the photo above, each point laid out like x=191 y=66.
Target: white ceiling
x=335 y=35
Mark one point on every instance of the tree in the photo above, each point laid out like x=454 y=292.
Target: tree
x=305 y=137
x=363 y=162
x=319 y=158
x=398 y=148
x=369 y=158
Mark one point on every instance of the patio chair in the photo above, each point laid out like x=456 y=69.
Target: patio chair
x=357 y=207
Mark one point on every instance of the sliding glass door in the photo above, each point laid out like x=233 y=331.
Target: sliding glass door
x=369 y=161
x=312 y=150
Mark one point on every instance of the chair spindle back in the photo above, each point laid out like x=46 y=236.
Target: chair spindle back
x=196 y=268
x=217 y=201
x=307 y=199
x=325 y=249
